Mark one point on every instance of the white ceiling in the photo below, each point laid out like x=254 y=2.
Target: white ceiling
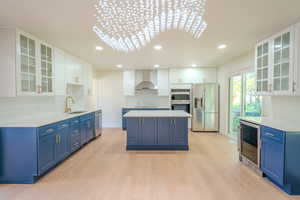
x=238 y=23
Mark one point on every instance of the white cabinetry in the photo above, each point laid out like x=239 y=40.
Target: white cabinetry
x=26 y=65
x=74 y=70
x=276 y=61
x=193 y=75
x=163 y=82
x=129 y=83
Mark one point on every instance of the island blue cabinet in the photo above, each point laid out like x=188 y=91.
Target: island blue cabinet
x=280 y=158
x=126 y=110
x=28 y=153
x=153 y=133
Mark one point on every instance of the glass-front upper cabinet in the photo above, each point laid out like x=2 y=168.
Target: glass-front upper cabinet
x=46 y=69
x=28 y=65
x=35 y=71
x=282 y=73
x=277 y=63
x=262 y=67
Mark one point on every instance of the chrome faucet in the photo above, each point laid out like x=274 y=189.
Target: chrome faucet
x=67 y=105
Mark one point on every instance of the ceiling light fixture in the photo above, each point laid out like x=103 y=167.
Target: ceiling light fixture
x=157 y=47
x=99 y=48
x=146 y=19
x=120 y=66
x=156 y=66
x=222 y=46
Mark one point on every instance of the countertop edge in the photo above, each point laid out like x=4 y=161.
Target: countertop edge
x=38 y=125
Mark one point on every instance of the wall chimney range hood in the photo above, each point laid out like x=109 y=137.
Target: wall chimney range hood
x=146 y=80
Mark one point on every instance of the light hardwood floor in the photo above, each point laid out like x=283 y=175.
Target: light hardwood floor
x=105 y=171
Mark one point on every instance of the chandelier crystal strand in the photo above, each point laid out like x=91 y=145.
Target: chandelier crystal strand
x=129 y=25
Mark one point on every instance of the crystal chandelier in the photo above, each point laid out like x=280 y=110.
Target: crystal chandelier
x=128 y=25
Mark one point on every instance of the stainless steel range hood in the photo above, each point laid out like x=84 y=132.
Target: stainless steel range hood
x=146 y=80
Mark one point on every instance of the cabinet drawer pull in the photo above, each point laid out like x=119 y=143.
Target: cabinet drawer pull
x=270 y=134
x=64 y=125
x=50 y=130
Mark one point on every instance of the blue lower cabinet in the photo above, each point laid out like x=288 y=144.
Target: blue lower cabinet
x=179 y=130
x=75 y=139
x=164 y=131
x=46 y=149
x=148 y=131
x=28 y=153
x=133 y=130
x=62 y=141
x=87 y=128
x=280 y=158
x=152 y=133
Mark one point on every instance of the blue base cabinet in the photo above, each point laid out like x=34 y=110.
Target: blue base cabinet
x=152 y=133
x=126 y=110
x=280 y=158
x=29 y=153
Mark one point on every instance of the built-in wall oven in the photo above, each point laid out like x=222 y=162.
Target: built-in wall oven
x=250 y=145
x=181 y=99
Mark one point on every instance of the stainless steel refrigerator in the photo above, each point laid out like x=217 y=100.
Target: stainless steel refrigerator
x=205 y=107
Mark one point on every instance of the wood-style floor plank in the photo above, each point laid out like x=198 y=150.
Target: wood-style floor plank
x=103 y=170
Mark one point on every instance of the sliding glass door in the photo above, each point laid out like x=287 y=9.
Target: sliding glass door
x=242 y=100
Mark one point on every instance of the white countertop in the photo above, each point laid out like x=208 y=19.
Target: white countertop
x=157 y=113
x=280 y=124
x=39 y=120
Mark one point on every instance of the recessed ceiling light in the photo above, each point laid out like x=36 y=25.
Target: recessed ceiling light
x=222 y=46
x=99 y=48
x=194 y=65
x=156 y=66
x=157 y=47
x=120 y=66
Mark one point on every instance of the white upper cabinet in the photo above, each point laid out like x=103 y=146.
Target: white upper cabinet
x=74 y=70
x=26 y=65
x=163 y=82
x=129 y=83
x=193 y=75
x=276 y=63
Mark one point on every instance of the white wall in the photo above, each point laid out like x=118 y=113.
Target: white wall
x=275 y=107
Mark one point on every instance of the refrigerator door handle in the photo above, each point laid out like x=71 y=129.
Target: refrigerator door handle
x=196 y=102
x=201 y=102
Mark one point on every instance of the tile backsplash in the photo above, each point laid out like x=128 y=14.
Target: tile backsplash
x=19 y=106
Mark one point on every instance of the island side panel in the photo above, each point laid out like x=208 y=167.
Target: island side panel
x=18 y=155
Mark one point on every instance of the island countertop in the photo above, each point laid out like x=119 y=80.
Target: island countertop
x=157 y=113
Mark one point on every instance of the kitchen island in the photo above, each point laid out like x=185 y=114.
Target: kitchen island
x=157 y=130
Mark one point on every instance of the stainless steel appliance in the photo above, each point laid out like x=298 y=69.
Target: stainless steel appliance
x=249 y=145
x=205 y=114
x=181 y=99
x=98 y=123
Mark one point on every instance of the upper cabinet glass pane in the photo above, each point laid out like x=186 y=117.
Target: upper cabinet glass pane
x=31 y=48
x=43 y=52
x=259 y=50
x=286 y=39
x=266 y=48
x=49 y=54
x=277 y=45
